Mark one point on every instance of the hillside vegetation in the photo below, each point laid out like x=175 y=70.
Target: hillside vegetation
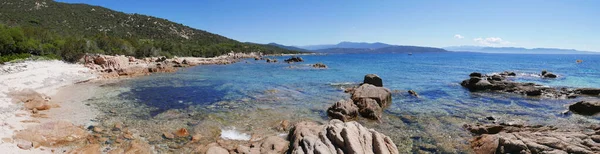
x=67 y=31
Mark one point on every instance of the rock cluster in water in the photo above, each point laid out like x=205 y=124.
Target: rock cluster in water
x=500 y=83
x=505 y=138
x=294 y=59
x=369 y=99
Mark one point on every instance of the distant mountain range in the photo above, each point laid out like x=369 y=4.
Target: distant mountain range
x=517 y=50
x=357 y=45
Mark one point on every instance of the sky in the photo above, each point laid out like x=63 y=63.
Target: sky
x=567 y=24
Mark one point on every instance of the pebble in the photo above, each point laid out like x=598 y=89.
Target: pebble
x=97 y=129
x=25 y=145
x=168 y=135
x=128 y=136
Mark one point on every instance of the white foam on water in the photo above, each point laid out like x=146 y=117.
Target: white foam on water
x=232 y=134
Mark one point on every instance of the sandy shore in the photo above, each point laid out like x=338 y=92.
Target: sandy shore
x=44 y=77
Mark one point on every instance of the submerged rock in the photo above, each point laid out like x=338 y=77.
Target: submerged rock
x=586 y=107
x=53 y=133
x=413 y=93
x=338 y=137
x=319 y=65
x=344 y=110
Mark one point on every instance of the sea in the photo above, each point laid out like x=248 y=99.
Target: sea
x=252 y=97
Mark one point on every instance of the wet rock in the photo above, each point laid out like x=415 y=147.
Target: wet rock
x=53 y=133
x=588 y=91
x=373 y=79
x=497 y=77
x=475 y=74
x=338 y=137
x=344 y=110
x=546 y=74
x=319 y=65
x=182 y=132
x=585 y=107
x=294 y=59
x=413 y=93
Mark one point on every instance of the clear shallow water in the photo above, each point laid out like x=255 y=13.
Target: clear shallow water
x=429 y=123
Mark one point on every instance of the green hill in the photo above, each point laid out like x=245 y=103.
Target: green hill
x=45 y=27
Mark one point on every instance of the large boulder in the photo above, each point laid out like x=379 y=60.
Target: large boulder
x=585 y=107
x=338 y=137
x=344 y=110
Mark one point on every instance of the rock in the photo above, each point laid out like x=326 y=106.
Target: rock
x=161 y=59
x=338 y=137
x=23 y=144
x=585 y=107
x=269 y=60
x=274 y=144
x=168 y=135
x=131 y=59
x=369 y=108
x=87 y=149
x=196 y=137
x=497 y=77
x=475 y=74
x=550 y=75
x=413 y=93
x=284 y=125
x=373 y=79
x=182 y=132
x=53 y=133
x=128 y=136
x=319 y=65
x=544 y=72
x=534 y=139
x=99 y=60
x=588 y=91
x=294 y=59
x=217 y=150
x=97 y=129
x=381 y=95
x=118 y=126
x=344 y=110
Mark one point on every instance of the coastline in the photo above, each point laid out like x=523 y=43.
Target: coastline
x=65 y=86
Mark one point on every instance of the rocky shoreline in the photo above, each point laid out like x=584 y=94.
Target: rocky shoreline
x=511 y=137
x=60 y=136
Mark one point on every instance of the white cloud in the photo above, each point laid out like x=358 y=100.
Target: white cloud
x=458 y=36
x=491 y=41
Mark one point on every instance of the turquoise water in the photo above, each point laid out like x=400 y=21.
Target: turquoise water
x=434 y=119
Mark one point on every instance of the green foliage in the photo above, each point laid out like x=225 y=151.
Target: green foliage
x=11 y=57
x=71 y=30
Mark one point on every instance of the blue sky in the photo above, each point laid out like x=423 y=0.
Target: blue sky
x=569 y=24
